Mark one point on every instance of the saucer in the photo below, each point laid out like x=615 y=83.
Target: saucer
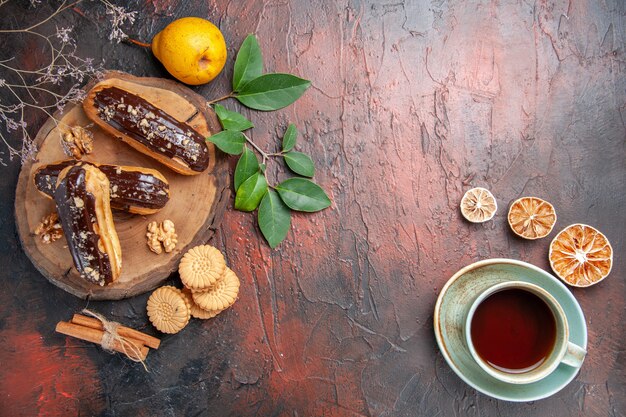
x=451 y=311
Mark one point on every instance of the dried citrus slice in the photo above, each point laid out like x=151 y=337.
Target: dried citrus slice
x=478 y=205
x=581 y=255
x=531 y=217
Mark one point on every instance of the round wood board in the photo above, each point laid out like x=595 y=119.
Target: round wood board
x=196 y=205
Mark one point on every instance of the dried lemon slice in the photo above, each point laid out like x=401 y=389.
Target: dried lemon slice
x=531 y=217
x=478 y=205
x=581 y=255
x=220 y=295
x=201 y=267
x=196 y=310
x=168 y=310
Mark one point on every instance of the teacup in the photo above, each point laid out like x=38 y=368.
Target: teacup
x=518 y=333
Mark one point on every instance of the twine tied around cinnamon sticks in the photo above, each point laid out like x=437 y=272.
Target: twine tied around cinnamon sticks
x=110 y=335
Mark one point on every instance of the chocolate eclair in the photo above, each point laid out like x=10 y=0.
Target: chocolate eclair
x=82 y=198
x=147 y=128
x=133 y=189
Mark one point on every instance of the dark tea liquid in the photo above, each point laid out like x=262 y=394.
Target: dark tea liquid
x=513 y=330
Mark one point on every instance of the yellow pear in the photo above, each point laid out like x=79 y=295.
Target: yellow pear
x=192 y=49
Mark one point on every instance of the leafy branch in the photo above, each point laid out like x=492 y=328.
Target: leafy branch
x=266 y=92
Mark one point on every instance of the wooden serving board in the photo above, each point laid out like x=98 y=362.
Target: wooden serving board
x=196 y=204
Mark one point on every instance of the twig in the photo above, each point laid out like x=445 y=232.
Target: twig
x=39 y=89
x=59 y=9
x=264 y=154
x=229 y=95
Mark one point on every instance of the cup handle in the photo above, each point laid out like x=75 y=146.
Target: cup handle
x=574 y=356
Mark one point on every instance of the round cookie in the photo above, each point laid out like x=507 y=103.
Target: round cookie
x=220 y=295
x=202 y=314
x=196 y=310
x=168 y=310
x=201 y=267
x=186 y=295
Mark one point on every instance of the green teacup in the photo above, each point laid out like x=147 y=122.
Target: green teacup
x=505 y=325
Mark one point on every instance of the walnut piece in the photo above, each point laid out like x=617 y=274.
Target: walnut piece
x=49 y=229
x=162 y=236
x=77 y=142
x=153 y=238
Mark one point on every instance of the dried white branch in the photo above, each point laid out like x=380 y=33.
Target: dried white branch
x=119 y=17
x=26 y=92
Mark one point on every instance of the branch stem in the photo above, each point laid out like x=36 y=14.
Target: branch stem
x=229 y=95
x=264 y=154
x=61 y=8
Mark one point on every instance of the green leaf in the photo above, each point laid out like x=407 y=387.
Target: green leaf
x=289 y=140
x=272 y=91
x=249 y=62
x=247 y=166
x=228 y=141
x=274 y=218
x=300 y=163
x=250 y=193
x=262 y=167
x=231 y=120
x=302 y=195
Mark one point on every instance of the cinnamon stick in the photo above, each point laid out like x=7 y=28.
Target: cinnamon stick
x=127 y=332
x=95 y=336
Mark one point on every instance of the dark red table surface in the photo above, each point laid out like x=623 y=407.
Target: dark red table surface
x=412 y=103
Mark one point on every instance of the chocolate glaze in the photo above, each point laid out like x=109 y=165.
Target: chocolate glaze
x=138 y=119
x=135 y=189
x=77 y=212
x=128 y=188
x=46 y=176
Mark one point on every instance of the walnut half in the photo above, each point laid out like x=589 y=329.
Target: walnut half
x=77 y=142
x=49 y=229
x=162 y=236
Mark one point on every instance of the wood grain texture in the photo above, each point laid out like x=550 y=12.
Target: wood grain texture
x=202 y=195
x=412 y=103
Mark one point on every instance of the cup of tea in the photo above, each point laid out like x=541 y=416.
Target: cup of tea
x=518 y=333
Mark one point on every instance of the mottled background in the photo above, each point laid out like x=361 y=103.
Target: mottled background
x=412 y=103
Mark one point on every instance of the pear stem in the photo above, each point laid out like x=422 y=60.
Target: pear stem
x=136 y=42
x=229 y=95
